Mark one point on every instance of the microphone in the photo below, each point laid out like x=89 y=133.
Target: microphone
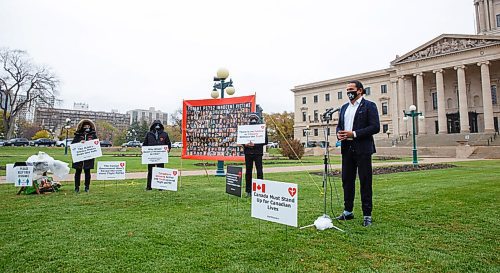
x=332 y=110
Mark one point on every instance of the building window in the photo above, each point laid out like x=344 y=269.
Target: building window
x=434 y=100
x=327 y=97
x=384 y=108
x=494 y=93
x=304 y=132
x=304 y=100
x=315 y=132
x=315 y=98
x=328 y=131
x=383 y=89
x=498 y=20
x=385 y=128
x=339 y=95
x=304 y=115
x=368 y=91
x=316 y=116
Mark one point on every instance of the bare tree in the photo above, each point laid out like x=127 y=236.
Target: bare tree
x=22 y=83
x=176 y=120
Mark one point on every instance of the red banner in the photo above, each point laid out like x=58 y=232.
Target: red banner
x=210 y=127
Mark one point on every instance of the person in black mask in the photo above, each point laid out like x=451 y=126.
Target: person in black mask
x=156 y=136
x=358 y=122
x=253 y=153
x=85 y=130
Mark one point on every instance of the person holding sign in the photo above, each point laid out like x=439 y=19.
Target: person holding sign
x=156 y=136
x=253 y=153
x=85 y=130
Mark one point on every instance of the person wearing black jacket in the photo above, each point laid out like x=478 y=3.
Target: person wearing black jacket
x=156 y=136
x=85 y=130
x=253 y=153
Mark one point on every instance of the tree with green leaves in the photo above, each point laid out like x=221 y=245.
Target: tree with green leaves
x=279 y=126
x=41 y=134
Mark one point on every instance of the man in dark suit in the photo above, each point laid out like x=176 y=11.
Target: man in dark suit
x=358 y=122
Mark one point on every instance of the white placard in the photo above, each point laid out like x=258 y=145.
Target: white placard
x=111 y=170
x=10 y=176
x=23 y=176
x=251 y=133
x=154 y=154
x=86 y=150
x=275 y=201
x=164 y=179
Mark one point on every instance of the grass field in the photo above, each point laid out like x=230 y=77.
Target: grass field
x=429 y=221
x=133 y=159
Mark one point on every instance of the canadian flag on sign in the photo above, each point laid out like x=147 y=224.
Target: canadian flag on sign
x=259 y=187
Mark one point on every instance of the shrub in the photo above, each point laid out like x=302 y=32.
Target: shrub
x=292 y=148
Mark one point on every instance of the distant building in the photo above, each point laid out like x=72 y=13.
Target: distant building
x=55 y=119
x=28 y=111
x=138 y=115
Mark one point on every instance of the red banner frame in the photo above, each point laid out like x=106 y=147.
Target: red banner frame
x=211 y=102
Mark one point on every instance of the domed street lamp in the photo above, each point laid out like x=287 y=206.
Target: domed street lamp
x=68 y=120
x=413 y=114
x=221 y=84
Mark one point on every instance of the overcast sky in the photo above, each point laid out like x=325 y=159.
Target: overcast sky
x=138 y=54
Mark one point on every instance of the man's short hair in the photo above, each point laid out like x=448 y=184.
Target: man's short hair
x=358 y=85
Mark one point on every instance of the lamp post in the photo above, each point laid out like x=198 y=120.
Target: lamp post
x=135 y=134
x=221 y=84
x=68 y=120
x=307 y=130
x=413 y=114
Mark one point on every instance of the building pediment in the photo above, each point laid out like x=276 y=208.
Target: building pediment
x=447 y=44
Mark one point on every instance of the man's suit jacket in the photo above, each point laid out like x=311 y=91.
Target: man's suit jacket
x=366 y=124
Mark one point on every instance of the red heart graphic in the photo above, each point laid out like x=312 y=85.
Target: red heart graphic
x=165 y=148
x=175 y=173
x=122 y=164
x=262 y=127
x=96 y=142
x=292 y=191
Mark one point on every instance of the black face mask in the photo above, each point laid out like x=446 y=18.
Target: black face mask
x=157 y=127
x=87 y=130
x=352 y=94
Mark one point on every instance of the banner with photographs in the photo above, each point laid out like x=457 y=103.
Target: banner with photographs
x=211 y=127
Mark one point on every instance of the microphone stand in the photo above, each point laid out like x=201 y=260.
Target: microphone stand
x=325 y=219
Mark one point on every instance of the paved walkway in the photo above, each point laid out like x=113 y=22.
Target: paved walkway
x=285 y=169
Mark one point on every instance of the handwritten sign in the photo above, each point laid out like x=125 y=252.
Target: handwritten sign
x=154 y=154
x=23 y=176
x=111 y=170
x=86 y=150
x=275 y=201
x=251 y=133
x=164 y=179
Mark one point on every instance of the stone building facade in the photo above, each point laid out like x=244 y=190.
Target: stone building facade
x=453 y=80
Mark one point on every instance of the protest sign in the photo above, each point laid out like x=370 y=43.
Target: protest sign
x=233 y=180
x=10 y=176
x=154 y=154
x=111 y=170
x=275 y=201
x=86 y=150
x=164 y=179
x=252 y=133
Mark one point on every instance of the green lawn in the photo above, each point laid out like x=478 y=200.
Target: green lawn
x=429 y=221
x=133 y=159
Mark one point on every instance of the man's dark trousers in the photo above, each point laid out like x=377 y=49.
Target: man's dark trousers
x=150 y=173
x=362 y=163
x=249 y=160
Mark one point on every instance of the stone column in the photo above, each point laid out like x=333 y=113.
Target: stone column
x=401 y=104
x=395 y=109
x=487 y=103
x=478 y=24
x=420 y=102
x=482 y=25
x=493 y=23
x=441 y=103
x=486 y=15
x=462 y=99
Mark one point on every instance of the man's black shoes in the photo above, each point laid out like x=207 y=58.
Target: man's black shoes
x=367 y=221
x=344 y=217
